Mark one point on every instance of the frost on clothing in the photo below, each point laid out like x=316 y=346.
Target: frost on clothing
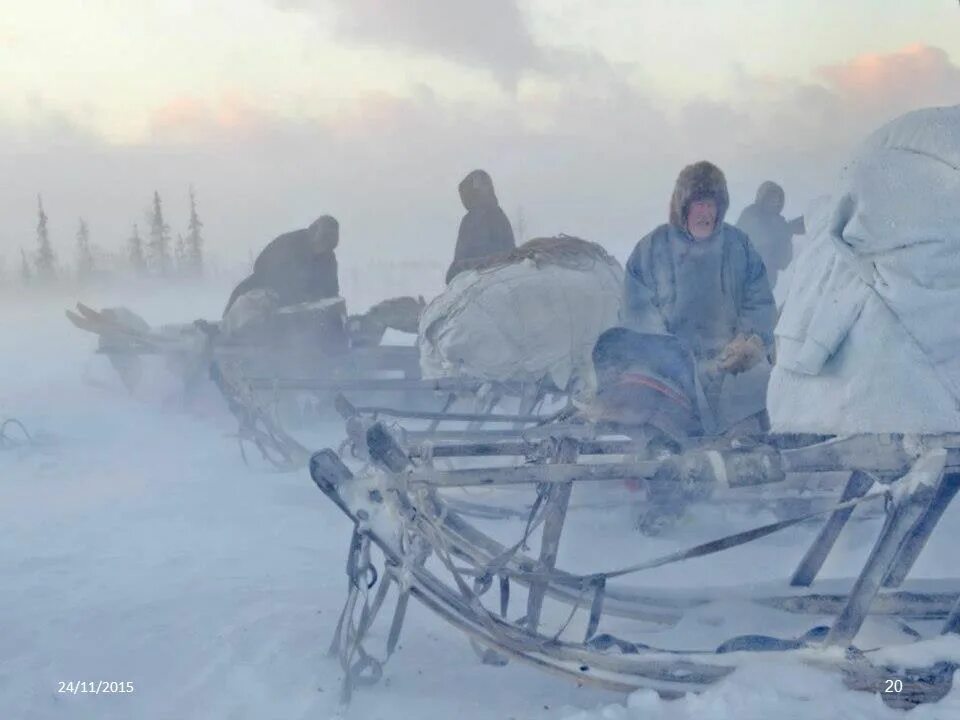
x=868 y=341
x=770 y=233
x=485 y=231
x=533 y=314
x=704 y=292
x=297 y=266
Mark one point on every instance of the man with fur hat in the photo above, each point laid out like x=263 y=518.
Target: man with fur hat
x=701 y=280
x=771 y=233
x=298 y=266
x=485 y=230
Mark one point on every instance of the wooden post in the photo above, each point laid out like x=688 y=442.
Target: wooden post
x=857 y=486
x=556 y=513
x=897 y=527
x=920 y=533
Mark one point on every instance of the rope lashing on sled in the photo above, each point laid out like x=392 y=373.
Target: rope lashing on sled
x=702 y=550
x=893 y=492
x=256 y=426
x=348 y=637
x=351 y=633
x=7 y=441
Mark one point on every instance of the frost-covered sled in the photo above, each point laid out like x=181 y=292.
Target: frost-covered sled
x=593 y=627
x=410 y=493
x=268 y=361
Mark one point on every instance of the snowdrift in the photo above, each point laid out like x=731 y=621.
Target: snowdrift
x=535 y=313
x=868 y=340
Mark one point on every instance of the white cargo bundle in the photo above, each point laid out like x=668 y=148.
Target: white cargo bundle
x=868 y=340
x=537 y=314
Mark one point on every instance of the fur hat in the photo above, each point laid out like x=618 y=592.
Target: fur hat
x=700 y=181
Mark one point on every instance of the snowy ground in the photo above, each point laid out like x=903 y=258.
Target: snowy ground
x=136 y=546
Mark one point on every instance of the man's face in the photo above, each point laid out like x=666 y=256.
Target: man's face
x=702 y=219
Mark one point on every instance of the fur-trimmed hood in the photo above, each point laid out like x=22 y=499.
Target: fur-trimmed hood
x=476 y=191
x=770 y=196
x=326 y=230
x=699 y=181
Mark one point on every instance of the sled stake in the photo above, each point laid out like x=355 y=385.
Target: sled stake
x=857 y=486
x=555 y=515
x=899 y=524
x=920 y=533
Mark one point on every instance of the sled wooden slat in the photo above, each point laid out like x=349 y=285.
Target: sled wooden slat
x=361 y=384
x=920 y=534
x=857 y=486
x=533 y=474
x=450 y=416
x=522 y=448
x=898 y=525
x=533 y=433
x=555 y=515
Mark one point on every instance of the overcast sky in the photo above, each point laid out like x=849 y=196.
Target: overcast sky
x=372 y=110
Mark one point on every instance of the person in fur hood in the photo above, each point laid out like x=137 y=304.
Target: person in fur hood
x=701 y=280
x=485 y=231
x=769 y=231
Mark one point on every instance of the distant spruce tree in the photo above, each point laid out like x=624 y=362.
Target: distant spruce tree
x=84 y=255
x=45 y=261
x=26 y=275
x=194 y=240
x=135 y=253
x=180 y=257
x=158 y=245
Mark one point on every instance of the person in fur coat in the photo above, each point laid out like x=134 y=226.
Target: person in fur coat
x=701 y=280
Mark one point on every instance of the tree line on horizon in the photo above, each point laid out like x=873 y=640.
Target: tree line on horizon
x=157 y=255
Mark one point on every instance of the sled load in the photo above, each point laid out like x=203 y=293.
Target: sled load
x=874 y=296
x=532 y=316
x=843 y=400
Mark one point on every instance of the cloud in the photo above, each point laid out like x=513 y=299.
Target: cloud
x=190 y=119
x=915 y=76
x=590 y=152
x=493 y=34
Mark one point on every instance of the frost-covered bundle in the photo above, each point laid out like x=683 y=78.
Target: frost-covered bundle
x=868 y=340
x=534 y=313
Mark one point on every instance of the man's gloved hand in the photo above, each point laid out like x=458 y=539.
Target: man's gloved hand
x=741 y=354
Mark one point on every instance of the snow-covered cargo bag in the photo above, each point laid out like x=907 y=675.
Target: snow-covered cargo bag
x=533 y=314
x=868 y=340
